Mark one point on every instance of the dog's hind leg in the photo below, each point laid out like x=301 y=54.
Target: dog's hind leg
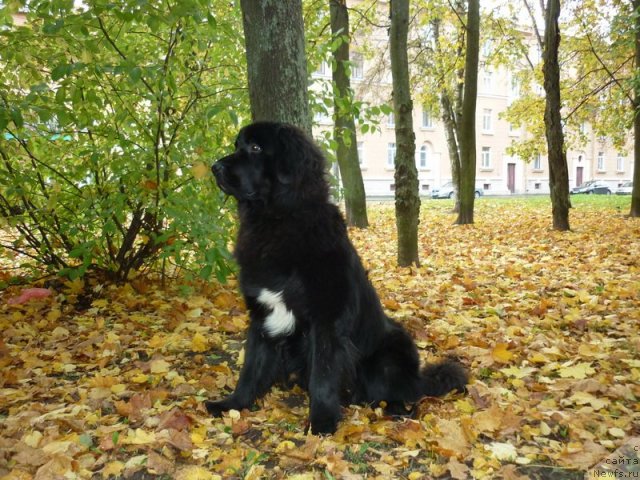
x=391 y=374
x=262 y=368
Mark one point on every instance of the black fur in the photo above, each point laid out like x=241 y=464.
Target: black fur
x=292 y=239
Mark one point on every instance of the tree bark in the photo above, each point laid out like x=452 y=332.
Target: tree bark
x=467 y=139
x=450 y=130
x=344 y=123
x=276 y=61
x=450 y=114
x=635 y=194
x=558 y=170
x=407 y=199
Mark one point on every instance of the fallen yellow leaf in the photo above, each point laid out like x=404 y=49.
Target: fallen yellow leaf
x=199 y=343
x=579 y=371
x=501 y=353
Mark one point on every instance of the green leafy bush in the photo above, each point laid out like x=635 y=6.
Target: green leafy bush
x=110 y=114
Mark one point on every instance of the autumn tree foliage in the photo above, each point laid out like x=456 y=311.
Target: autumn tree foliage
x=604 y=51
x=109 y=115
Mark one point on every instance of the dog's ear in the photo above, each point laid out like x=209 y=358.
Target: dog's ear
x=290 y=152
x=297 y=154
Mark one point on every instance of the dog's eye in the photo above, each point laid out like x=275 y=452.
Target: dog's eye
x=254 y=148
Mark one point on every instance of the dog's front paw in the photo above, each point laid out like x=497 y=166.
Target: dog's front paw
x=324 y=424
x=217 y=408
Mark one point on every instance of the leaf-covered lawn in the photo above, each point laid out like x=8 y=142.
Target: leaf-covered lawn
x=102 y=381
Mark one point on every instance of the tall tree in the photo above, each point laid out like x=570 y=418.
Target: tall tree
x=407 y=199
x=606 y=93
x=276 y=62
x=635 y=195
x=558 y=170
x=344 y=123
x=467 y=139
x=450 y=92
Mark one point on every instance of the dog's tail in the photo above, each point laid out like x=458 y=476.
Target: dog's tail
x=440 y=378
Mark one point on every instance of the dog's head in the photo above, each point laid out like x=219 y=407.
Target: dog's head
x=274 y=165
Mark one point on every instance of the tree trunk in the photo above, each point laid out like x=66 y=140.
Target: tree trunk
x=467 y=139
x=450 y=131
x=449 y=115
x=635 y=194
x=406 y=173
x=344 y=124
x=276 y=62
x=558 y=171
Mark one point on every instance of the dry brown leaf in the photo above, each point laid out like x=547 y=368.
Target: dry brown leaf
x=458 y=471
x=452 y=441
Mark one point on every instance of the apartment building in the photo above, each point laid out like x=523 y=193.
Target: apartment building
x=498 y=173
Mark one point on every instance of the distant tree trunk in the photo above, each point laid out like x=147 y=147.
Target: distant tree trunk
x=450 y=131
x=406 y=173
x=450 y=114
x=276 y=61
x=558 y=170
x=344 y=124
x=635 y=195
x=467 y=138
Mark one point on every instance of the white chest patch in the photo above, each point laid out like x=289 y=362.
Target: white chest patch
x=281 y=320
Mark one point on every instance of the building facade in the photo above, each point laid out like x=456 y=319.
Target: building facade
x=498 y=172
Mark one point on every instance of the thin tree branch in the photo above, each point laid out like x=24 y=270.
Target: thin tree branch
x=534 y=22
x=606 y=68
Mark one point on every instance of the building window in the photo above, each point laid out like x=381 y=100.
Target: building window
x=357 y=66
x=487 y=81
x=601 y=161
x=323 y=69
x=486 y=120
x=423 y=157
x=485 y=161
x=427 y=35
x=323 y=117
x=391 y=155
x=620 y=163
x=391 y=120
x=537 y=162
x=582 y=128
x=514 y=88
x=361 y=153
x=539 y=89
x=486 y=48
x=427 y=119
x=537 y=186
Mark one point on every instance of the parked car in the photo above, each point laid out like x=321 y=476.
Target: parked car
x=593 y=187
x=625 y=188
x=447 y=191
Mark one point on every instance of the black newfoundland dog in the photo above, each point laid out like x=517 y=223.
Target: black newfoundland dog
x=315 y=317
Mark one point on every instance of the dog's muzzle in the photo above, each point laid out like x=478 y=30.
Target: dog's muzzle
x=218 y=172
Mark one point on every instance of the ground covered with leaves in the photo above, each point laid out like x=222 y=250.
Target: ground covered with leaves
x=102 y=381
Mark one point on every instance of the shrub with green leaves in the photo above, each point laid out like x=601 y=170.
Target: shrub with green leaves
x=110 y=114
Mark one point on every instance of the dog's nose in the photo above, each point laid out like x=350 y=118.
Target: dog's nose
x=217 y=169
